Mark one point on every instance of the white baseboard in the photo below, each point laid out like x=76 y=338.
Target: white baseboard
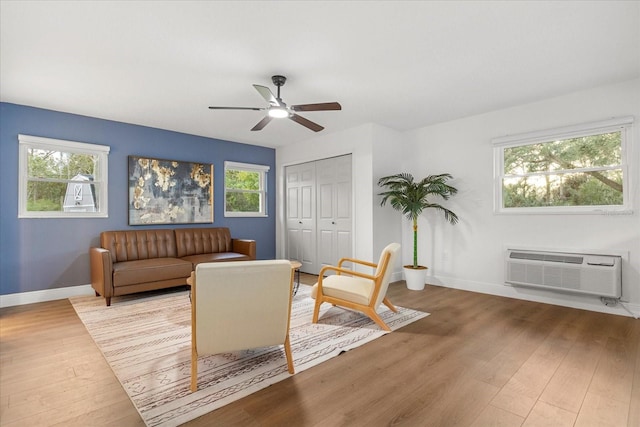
x=573 y=301
x=45 y=295
x=583 y=302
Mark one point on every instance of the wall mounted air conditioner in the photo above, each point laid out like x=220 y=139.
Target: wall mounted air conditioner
x=592 y=274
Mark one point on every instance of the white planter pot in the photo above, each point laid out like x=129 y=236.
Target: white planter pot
x=415 y=277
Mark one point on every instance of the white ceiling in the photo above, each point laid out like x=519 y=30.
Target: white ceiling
x=399 y=64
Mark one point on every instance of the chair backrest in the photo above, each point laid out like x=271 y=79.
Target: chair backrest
x=241 y=305
x=386 y=269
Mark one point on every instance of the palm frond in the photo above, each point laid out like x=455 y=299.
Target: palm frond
x=411 y=198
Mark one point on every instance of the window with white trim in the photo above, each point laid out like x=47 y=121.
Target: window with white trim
x=245 y=189
x=576 y=169
x=62 y=179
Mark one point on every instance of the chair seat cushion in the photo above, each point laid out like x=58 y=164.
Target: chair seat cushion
x=354 y=289
x=149 y=270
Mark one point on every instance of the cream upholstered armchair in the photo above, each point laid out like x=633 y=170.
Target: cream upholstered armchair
x=239 y=305
x=355 y=290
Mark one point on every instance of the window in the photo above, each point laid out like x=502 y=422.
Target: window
x=577 y=169
x=61 y=179
x=245 y=192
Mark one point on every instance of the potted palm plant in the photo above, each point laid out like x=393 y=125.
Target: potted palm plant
x=412 y=198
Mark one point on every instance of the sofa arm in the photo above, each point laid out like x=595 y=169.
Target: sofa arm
x=244 y=246
x=101 y=272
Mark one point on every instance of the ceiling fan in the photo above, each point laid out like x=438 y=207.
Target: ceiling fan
x=278 y=109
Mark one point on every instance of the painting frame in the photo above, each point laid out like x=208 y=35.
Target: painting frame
x=165 y=191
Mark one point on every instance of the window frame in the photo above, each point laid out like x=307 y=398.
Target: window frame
x=620 y=124
x=101 y=181
x=247 y=167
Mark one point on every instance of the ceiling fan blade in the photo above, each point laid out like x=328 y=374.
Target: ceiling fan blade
x=267 y=94
x=262 y=123
x=324 y=106
x=306 y=123
x=237 y=108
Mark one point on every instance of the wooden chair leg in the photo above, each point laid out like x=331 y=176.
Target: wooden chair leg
x=374 y=316
x=316 y=309
x=194 y=370
x=388 y=303
x=287 y=352
x=194 y=351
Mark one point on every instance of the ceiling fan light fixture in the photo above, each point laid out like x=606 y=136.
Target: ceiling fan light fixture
x=278 y=112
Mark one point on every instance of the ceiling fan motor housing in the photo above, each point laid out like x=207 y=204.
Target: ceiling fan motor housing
x=278 y=80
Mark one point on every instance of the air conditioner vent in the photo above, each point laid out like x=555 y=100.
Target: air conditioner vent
x=591 y=274
x=547 y=256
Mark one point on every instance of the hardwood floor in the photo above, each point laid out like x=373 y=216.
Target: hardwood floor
x=477 y=360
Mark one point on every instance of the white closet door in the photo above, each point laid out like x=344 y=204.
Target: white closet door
x=334 y=211
x=318 y=212
x=300 y=215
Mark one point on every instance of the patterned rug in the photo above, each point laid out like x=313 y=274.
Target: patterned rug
x=146 y=339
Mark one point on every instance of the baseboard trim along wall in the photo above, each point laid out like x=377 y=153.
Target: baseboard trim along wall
x=584 y=303
x=22 y=298
x=536 y=295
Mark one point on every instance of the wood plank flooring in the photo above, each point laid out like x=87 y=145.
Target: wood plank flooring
x=477 y=360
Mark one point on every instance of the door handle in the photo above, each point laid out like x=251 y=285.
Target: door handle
x=299 y=222
x=333 y=222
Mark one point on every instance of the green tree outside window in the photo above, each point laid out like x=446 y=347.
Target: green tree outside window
x=245 y=190
x=584 y=171
x=49 y=173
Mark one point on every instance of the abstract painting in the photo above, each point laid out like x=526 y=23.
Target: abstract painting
x=169 y=192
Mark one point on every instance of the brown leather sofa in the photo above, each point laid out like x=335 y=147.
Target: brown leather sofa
x=131 y=261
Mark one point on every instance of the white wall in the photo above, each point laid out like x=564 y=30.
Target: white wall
x=469 y=255
x=388 y=148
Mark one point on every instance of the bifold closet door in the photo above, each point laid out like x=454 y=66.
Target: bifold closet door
x=333 y=186
x=318 y=209
x=300 y=220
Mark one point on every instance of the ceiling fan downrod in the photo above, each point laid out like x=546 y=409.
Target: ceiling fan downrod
x=278 y=81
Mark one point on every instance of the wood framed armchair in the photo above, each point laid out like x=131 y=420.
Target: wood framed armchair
x=356 y=290
x=240 y=305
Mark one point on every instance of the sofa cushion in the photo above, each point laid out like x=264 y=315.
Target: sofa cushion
x=217 y=257
x=196 y=241
x=149 y=270
x=132 y=245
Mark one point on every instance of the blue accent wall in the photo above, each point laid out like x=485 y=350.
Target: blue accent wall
x=40 y=254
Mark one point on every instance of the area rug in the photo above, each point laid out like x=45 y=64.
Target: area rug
x=146 y=339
